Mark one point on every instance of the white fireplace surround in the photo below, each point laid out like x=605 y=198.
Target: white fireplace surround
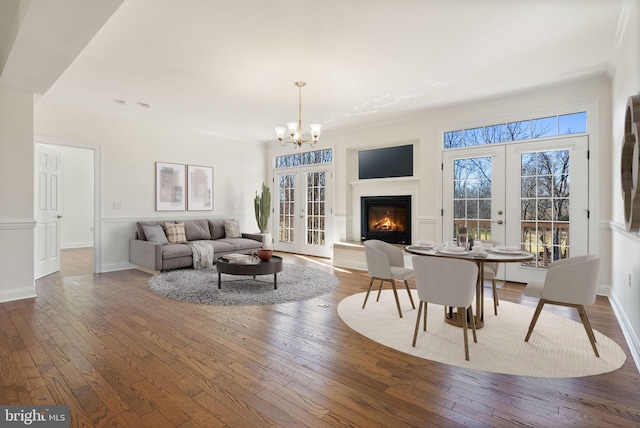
x=384 y=187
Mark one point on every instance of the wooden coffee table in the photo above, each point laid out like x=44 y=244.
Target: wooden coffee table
x=250 y=267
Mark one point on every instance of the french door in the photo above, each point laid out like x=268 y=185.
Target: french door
x=532 y=195
x=302 y=210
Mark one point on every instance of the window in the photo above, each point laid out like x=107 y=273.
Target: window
x=306 y=158
x=542 y=127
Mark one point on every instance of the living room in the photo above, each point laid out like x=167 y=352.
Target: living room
x=127 y=144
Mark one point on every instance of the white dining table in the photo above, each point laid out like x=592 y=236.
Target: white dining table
x=492 y=255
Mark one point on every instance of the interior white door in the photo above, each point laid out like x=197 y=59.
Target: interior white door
x=48 y=211
x=303 y=211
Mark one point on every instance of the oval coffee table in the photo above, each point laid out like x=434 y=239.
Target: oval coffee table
x=252 y=266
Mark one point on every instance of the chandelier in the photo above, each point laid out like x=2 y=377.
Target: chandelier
x=295 y=129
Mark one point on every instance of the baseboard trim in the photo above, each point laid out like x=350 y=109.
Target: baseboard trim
x=627 y=330
x=18 y=294
x=74 y=245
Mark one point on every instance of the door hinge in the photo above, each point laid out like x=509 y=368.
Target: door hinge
x=588 y=154
x=441 y=212
x=588 y=214
x=442 y=166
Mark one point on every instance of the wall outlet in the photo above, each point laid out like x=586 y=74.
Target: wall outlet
x=629 y=280
x=117 y=205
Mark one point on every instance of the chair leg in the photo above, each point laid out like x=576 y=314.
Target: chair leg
x=380 y=290
x=406 y=284
x=587 y=327
x=426 y=305
x=395 y=293
x=462 y=312
x=415 y=332
x=473 y=322
x=496 y=302
x=368 y=291
x=534 y=319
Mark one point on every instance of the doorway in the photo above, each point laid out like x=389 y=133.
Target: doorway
x=303 y=211
x=74 y=196
x=531 y=195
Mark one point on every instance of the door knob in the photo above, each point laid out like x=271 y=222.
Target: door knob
x=499 y=222
x=59 y=216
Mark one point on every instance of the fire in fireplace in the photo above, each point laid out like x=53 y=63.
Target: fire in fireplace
x=387 y=218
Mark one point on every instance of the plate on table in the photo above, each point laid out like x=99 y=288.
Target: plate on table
x=421 y=247
x=508 y=251
x=453 y=253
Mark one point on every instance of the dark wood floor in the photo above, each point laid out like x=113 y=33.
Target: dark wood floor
x=119 y=355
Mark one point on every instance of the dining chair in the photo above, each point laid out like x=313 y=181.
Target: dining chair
x=569 y=282
x=490 y=272
x=448 y=282
x=385 y=263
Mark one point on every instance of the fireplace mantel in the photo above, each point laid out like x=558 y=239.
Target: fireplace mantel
x=383 y=187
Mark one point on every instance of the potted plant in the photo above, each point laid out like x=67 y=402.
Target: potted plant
x=262 y=205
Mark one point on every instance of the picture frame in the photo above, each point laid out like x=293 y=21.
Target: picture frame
x=199 y=188
x=170 y=186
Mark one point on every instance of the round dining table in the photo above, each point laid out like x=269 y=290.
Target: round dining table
x=492 y=256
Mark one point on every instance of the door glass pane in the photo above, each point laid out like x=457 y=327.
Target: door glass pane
x=286 y=201
x=545 y=203
x=472 y=197
x=315 y=208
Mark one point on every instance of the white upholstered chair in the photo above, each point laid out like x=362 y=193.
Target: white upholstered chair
x=449 y=282
x=385 y=263
x=490 y=272
x=569 y=282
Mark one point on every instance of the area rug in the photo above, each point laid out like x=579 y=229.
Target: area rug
x=558 y=347
x=295 y=283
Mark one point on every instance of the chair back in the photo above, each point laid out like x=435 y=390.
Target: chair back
x=573 y=280
x=445 y=281
x=381 y=256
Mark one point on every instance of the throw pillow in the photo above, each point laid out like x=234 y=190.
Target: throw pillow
x=232 y=229
x=155 y=234
x=175 y=233
x=197 y=229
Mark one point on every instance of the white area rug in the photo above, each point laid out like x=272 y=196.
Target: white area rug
x=558 y=347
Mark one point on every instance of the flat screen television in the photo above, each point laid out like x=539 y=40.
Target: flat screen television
x=386 y=162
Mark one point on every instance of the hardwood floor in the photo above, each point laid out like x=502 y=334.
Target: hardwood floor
x=119 y=355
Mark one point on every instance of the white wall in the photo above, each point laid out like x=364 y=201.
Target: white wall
x=625 y=246
x=425 y=132
x=129 y=151
x=76 y=226
x=16 y=194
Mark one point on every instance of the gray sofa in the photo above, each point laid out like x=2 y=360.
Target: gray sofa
x=152 y=255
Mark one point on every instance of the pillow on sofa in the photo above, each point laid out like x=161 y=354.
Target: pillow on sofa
x=155 y=234
x=232 y=229
x=175 y=233
x=196 y=229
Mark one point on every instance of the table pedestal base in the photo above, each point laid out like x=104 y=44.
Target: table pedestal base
x=451 y=317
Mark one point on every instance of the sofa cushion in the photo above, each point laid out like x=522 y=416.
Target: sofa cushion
x=173 y=251
x=175 y=233
x=140 y=229
x=155 y=233
x=196 y=230
x=216 y=227
x=221 y=247
x=240 y=244
x=232 y=229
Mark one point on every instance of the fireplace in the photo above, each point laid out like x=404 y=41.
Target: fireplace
x=387 y=218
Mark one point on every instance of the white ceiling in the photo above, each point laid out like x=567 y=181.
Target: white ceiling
x=229 y=67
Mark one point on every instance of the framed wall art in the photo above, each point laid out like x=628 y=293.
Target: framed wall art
x=199 y=188
x=170 y=187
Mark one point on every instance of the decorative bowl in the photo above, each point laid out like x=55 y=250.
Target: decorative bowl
x=265 y=254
